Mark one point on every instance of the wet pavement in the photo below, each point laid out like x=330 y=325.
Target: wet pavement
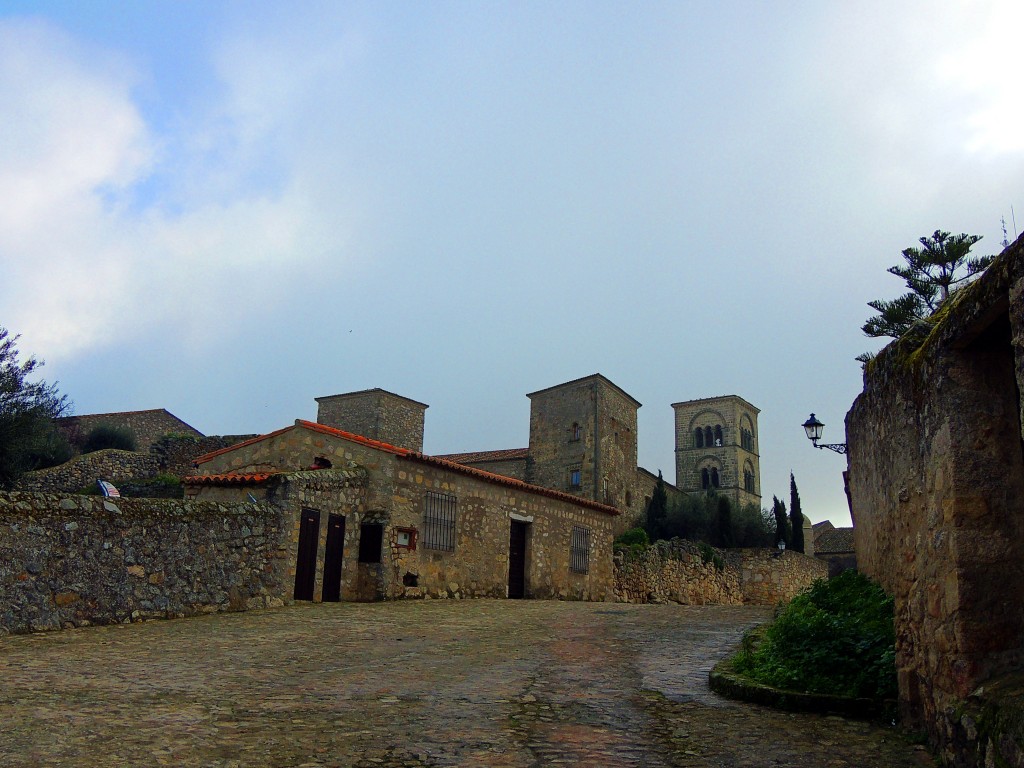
x=425 y=683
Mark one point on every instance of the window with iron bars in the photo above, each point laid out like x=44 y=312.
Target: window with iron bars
x=439 y=521
x=579 y=550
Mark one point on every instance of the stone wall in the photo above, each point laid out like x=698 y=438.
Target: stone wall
x=936 y=482
x=77 y=560
x=82 y=471
x=768 y=577
x=683 y=572
x=175 y=454
x=676 y=572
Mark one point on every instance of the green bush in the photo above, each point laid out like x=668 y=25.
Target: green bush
x=837 y=638
x=108 y=436
x=633 y=542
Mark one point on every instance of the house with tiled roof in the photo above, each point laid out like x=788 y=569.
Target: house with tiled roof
x=835 y=546
x=367 y=520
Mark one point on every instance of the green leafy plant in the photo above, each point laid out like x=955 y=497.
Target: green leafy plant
x=633 y=542
x=105 y=436
x=837 y=638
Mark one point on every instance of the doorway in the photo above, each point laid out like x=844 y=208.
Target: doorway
x=305 y=561
x=333 y=558
x=517 y=560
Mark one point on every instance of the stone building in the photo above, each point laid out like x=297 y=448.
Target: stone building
x=936 y=482
x=376 y=414
x=717 y=448
x=147 y=426
x=368 y=520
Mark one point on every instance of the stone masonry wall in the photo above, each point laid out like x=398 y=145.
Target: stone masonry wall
x=77 y=560
x=175 y=453
x=936 y=482
x=147 y=426
x=82 y=471
x=376 y=414
x=683 y=572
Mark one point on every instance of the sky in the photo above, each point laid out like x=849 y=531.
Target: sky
x=228 y=209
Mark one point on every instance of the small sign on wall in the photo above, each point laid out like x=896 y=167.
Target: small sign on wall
x=406 y=538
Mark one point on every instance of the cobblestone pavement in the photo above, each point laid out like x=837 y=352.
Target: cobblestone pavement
x=427 y=683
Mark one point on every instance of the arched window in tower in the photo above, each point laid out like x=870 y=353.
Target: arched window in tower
x=714 y=478
x=748 y=478
x=718 y=435
x=709 y=438
x=705 y=479
x=698 y=434
x=574 y=433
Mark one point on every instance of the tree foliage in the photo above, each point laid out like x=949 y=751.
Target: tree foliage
x=781 y=522
x=796 y=517
x=930 y=273
x=109 y=436
x=27 y=409
x=655 y=518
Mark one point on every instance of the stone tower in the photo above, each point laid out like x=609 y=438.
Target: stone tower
x=376 y=414
x=583 y=441
x=717 y=448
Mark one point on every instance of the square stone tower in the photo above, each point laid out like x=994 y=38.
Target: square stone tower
x=583 y=440
x=717 y=448
x=376 y=414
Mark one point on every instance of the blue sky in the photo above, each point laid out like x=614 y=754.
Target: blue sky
x=229 y=209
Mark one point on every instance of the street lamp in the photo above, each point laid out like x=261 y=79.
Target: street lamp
x=813 y=428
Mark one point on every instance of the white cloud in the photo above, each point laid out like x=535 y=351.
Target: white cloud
x=86 y=257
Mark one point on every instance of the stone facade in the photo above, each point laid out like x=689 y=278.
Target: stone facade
x=147 y=426
x=769 y=577
x=936 y=479
x=76 y=560
x=376 y=414
x=724 y=454
x=81 y=472
x=466 y=552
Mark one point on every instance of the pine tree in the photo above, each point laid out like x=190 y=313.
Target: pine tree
x=931 y=272
x=796 y=516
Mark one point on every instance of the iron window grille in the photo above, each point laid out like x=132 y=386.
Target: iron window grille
x=579 y=550
x=439 y=521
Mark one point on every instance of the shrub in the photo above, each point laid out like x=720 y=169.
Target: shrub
x=633 y=542
x=109 y=436
x=837 y=638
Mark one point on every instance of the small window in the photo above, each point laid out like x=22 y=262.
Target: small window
x=709 y=438
x=439 y=521
x=718 y=436
x=574 y=433
x=371 y=539
x=579 y=550
x=629 y=499
x=705 y=479
x=575 y=477
x=748 y=481
x=714 y=477
x=698 y=435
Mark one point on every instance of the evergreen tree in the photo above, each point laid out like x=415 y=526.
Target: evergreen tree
x=781 y=523
x=27 y=410
x=724 y=518
x=796 y=516
x=655 y=519
x=931 y=272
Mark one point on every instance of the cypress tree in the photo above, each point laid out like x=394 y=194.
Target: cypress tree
x=781 y=524
x=656 y=518
x=725 y=536
x=795 y=515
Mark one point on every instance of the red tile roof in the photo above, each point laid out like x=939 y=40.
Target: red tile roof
x=404 y=453
x=230 y=478
x=507 y=454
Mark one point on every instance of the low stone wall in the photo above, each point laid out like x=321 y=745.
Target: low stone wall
x=82 y=471
x=769 y=577
x=676 y=571
x=77 y=560
x=683 y=572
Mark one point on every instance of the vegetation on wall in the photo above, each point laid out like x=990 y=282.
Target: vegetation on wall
x=28 y=438
x=708 y=518
x=837 y=638
x=105 y=436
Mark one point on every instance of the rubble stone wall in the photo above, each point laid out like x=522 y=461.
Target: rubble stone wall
x=69 y=561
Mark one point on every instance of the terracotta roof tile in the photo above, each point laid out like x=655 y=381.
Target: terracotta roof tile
x=834 y=541
x=472 y=457
x=230 y=478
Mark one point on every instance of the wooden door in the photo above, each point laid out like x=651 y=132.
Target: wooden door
x=517 y=560
x=333 y=558
x=305 y=560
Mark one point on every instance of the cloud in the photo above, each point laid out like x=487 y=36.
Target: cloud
x=90 y=253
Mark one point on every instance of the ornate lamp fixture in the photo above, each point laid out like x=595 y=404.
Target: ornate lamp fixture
x=813 y=428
